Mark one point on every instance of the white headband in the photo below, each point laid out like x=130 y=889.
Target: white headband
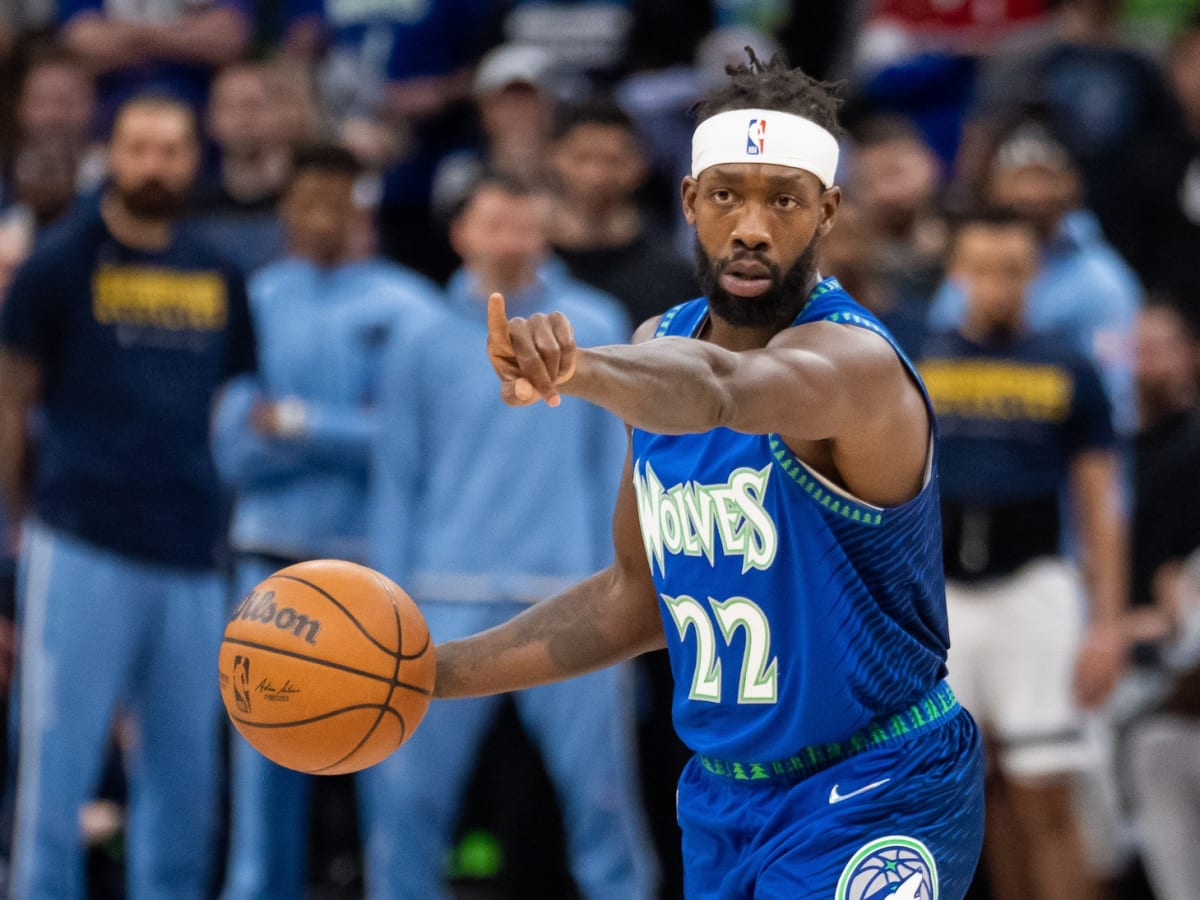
x=765 y=136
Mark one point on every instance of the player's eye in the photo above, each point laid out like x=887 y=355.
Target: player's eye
x=722 y=196
x=786 y=201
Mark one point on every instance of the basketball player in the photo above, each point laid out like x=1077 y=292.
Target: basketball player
x=777 y=530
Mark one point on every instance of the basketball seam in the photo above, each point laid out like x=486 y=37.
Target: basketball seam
x=387 y=701
x=349 y=615
x=242 y=642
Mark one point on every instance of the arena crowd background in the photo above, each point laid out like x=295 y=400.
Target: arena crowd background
x=1100 y=96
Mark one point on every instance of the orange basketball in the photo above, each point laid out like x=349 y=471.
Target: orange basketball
x=326 y=667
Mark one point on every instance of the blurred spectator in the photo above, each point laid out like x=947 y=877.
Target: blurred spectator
x=119 y=331
x=1098 y=94
x=1166 y=527
x=55 y=156
x=1158 y=229
x=1022 y=418
x=514 y=95
x=900 y=30
x=588 y=37
x=1164 y=744
x=235 y=207
x=919 y=59
x=853 y=252
x=472 y=543
x=394 y=80
x=294 y=442
x=171 y=46
x=57 y=99
x=598 y=229
x=1083 y=291
x=899 y=179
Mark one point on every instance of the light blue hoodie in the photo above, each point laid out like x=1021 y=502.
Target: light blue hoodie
x=477 y=501
x=321 y=337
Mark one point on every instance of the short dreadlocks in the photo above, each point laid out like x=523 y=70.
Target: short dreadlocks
x=772 y=85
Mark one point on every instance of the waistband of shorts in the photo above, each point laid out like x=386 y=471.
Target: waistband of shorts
x=934 y=708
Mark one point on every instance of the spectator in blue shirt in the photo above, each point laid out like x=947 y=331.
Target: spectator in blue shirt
x=479 y=513
x=294 y=443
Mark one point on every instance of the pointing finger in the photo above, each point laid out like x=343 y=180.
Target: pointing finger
x=497 y=320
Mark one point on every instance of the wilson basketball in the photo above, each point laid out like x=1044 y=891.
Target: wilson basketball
x=326 y=667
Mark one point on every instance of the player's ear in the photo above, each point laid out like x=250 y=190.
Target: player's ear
x=831 y=201
x=688 y=191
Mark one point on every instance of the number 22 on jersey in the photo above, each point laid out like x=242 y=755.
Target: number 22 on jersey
x=758 y=679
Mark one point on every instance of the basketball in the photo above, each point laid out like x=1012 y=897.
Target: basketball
x=326 y=667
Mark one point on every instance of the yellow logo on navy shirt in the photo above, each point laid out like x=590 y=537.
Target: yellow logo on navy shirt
x=985 y=389
x=152 y=297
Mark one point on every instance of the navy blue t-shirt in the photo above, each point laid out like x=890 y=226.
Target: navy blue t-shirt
x=133 y=346
x=1012 y=416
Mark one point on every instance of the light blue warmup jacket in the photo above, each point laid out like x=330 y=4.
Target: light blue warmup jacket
x=474 y=500
x=322 y=334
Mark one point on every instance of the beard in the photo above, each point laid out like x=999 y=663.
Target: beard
x=152 y=199
x=777 y=306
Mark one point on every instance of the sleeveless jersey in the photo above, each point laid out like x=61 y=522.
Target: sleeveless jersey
x=794 y=614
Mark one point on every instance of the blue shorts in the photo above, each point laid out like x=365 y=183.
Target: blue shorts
x=901 y=820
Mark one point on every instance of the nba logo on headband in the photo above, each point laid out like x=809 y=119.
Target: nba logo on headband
x=756 y=137
x=740 y=136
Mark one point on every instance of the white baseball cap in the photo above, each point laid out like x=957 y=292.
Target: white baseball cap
x=513 y=64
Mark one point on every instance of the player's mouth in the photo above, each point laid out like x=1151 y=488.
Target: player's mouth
x=745 y=278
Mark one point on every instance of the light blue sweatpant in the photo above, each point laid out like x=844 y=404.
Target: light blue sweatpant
x=269 y=805
x=584 y=730
x=101 y=631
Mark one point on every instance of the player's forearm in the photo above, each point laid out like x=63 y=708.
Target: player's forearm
x=666 y=386
x=587 y=627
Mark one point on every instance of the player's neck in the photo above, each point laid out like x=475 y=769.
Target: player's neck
x=134 y=231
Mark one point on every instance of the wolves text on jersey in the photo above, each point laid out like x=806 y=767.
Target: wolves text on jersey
x=693 y=519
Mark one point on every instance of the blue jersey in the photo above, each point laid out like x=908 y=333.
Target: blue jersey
x=794 y=614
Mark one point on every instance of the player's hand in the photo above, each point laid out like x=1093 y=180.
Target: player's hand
x=1101 y=660
x=532 y=356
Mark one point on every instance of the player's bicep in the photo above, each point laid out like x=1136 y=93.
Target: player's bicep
x=812 y=383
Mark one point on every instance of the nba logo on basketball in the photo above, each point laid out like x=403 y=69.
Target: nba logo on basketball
x=756 y=137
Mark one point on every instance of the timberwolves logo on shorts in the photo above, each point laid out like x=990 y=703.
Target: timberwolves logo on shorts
x=891 y=868
x=756 y=137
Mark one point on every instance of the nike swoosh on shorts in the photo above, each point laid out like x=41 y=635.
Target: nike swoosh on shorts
x=835 y=797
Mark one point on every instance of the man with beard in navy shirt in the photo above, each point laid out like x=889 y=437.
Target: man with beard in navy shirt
x=114 y=339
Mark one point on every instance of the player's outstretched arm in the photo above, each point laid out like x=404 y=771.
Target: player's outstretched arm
x=817 y=382
x=808 y=383
x=602 y=620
